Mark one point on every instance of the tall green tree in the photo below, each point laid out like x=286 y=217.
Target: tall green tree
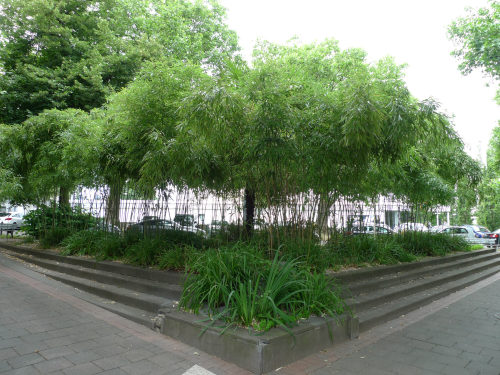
x=488 y=211
x=477 y=37
x=309 y=118
x=73 y=53
x=54 y=152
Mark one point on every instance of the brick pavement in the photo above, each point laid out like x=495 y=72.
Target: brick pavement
x=44 y=329
x=459 y=334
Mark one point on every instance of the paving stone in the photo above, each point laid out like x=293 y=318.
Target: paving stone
x=82 y=369
x=4 y=366
x=25 y=360
x=56 y=352
x=141 y=367
x=53 y=365
x=82 y=357
x=7 y=353
x=447 y=350
x=28 y=370
x=109 y=363
x=454 y=370
x=137 y=354
x=483 y=368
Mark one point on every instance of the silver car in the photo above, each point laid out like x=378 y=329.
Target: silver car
x=14 y=221
x=471 y=233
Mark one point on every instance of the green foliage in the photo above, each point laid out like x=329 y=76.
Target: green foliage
x=69 y=54
x=390 y=249
x=9 y=184
x=488 y=211
x=175 y=257
x=239 y=286
x=53 y=151
x=99 y=244
x=430 y=244
x=54 y=236
x=477 y=39
x=149 y=252
x=66 y=219
x=145 y=252
x=475 y=247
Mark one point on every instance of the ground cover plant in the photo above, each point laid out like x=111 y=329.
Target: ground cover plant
x=240 y=286
x=52 y=224
x=390 y=249
x=172 y=250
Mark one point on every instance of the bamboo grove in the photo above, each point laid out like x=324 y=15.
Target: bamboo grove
x=106 y=101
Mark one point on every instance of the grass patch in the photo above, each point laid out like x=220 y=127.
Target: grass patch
x=475 y=247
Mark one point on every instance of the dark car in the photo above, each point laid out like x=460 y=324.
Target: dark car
x=151 y=226
x=370 y=229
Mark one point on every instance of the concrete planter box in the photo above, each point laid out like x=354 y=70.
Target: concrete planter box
x=257 y=352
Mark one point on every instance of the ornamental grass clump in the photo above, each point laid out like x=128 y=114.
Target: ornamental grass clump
x=99 y=244
x=238 y=286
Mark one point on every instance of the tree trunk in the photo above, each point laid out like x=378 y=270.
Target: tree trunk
x=63 y=197
x=249 y=211
x=323 y=214
x=113 y=203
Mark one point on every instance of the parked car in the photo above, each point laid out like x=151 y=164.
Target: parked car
x=471 y=233
x=13 y=221
x=151 y=225
x=107 y=227
x=438 y=228
x=186 y=222
x=218 y=226
x=370 y=229
x=496 y=236
x=411 y=227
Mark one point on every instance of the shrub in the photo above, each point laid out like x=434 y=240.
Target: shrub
x=100 y=244
x=174 y=258
x=238 y=285
x=308 y=251
x=430 y=244
x=145 y=252
x=38 y=222
x=54 y=236
x=390 y=249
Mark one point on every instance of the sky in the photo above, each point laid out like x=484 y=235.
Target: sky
x=413 y=32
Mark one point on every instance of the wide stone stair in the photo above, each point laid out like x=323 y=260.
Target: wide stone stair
x=374 y=295
x=378 y=294
x=132 y=292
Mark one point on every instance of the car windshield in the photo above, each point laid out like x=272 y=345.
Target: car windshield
x=3 y=214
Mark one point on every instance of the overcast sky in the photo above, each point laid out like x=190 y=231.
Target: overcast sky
x=413 y=32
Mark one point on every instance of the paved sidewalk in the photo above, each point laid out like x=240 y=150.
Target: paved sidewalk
x=45 y=329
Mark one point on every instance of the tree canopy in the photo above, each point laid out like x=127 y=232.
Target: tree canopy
x=477 y=37
x=73 y=53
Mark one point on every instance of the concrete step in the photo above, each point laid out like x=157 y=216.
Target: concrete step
x=170 y=277
x=348 y=277
x=128 y=312
x=413 y=286
x=397 y=307
x=141 y=301
x=157 y=288
x=390 y=279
